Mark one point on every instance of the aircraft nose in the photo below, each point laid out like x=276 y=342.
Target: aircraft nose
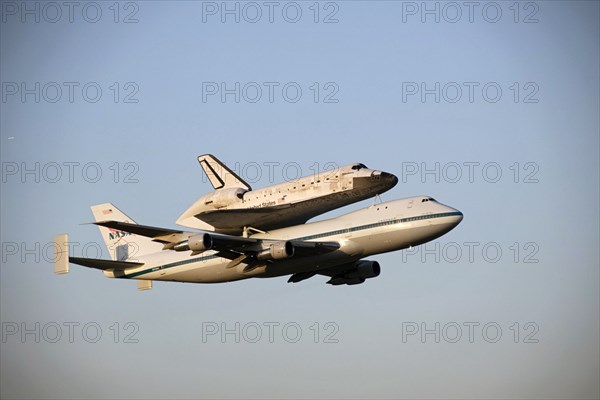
x=457 y=216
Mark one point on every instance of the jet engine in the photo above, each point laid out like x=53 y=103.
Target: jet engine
x=361 y=271
x=277 y=251
x=196 y=243
x=224 y=197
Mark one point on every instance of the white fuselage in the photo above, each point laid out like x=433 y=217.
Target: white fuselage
x=380 y=228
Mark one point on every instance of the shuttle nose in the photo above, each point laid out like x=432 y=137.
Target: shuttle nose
x=390 y=178
x=374 y=181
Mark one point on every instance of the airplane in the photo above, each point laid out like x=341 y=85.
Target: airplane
x=334 y=247
x=234 y=206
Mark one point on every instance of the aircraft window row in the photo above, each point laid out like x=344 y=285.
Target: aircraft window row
x=416 y=218
x=353 y=229
x=369 y=226
x=440 y=215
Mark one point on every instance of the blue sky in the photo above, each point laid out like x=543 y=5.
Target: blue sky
x=379 y=84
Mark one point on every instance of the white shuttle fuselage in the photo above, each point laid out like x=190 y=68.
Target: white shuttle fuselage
x=234 y=205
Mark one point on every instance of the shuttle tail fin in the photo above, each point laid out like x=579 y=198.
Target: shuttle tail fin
x=219 y=175
x=122 y=245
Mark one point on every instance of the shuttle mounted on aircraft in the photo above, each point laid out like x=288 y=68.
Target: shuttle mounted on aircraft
x=234 y=206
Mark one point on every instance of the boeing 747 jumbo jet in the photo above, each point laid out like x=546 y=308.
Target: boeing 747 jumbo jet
x=334 y=247
x=234 y=205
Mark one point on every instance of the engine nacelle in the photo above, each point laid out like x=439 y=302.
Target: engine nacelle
x=224 y=197
x=199 y=243
x=277 y=251
x=362 y=270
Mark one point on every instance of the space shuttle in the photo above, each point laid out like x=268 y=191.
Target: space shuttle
x=234 y=207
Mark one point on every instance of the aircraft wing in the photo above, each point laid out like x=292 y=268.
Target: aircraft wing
x=161 y=235
x=305 y=249
x=237 y=248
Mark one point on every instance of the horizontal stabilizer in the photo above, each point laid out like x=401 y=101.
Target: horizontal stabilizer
x=104 y=264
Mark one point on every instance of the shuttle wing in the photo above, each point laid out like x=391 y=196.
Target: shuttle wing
x=272 y=217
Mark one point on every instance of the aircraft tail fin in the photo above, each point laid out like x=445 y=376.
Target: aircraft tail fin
x=219 y=175
x=122 y=245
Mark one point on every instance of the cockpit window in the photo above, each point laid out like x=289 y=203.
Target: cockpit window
x=427 y=199
x=358 y=166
